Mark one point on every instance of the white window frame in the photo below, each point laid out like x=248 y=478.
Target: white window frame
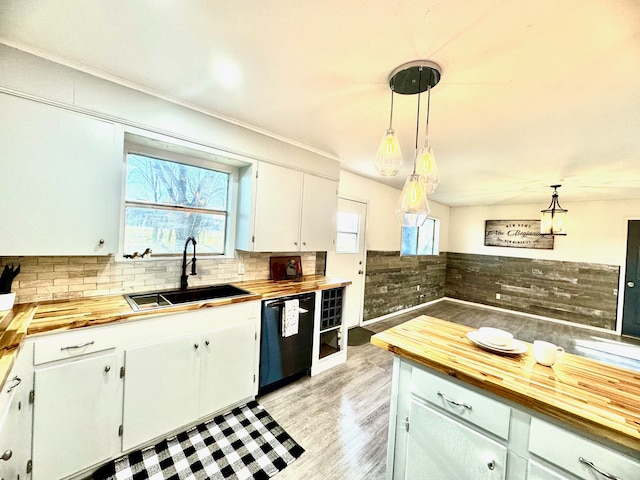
x=436 y=240
x=194 y=157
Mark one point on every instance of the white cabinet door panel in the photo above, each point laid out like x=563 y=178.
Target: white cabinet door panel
x=319 y=210
x=75 y=416
x=277 y=209
x=160 y=389
x=440 y=448
x=61 y=180
x=228 y=366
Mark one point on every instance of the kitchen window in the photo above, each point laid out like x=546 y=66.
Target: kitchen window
x=348 y=231
x=171 y=198
x=422 y=240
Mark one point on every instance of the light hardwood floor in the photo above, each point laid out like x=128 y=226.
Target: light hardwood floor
x=341 y=416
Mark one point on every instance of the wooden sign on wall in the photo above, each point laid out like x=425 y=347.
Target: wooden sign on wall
x=516 y=234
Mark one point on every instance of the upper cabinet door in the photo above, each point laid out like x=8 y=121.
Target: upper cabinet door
x=61 y=181
x=277 y=209
x=286 y=211
x=319 y=210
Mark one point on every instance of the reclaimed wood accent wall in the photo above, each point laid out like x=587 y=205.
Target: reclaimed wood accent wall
x=394 y=283
x=584 y=293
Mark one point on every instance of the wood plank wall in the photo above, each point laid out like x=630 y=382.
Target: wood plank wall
x=392 y=281
x=584 y=293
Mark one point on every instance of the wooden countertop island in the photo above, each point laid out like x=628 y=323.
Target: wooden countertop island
x=49 y=317
x=595 y=397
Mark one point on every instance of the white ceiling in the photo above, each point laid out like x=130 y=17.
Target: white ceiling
x=532 y=93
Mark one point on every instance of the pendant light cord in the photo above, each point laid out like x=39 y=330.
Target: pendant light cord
x=391 y=114
x=426 y=133
x=417 y=118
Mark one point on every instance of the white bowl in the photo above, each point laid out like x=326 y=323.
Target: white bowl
x=495 y=336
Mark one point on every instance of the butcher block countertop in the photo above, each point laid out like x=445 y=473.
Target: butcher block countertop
x=595 y=397
x=31 y=319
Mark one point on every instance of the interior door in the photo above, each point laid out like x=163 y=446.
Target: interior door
x=631 y=308
x=348 y=260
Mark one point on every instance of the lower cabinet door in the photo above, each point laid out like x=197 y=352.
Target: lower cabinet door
x=160 y=389
x=440 y=448
x=228 y=363
x=75 y=411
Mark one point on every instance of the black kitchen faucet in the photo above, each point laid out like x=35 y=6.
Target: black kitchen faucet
x=183 y=278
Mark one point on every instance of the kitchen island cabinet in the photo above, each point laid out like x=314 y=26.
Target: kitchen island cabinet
x=458 y=411
x=63 y=178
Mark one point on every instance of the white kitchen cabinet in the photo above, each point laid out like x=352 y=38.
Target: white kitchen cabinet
x=75 y=416
x=228 y=365
x=562 y=450
x=160 y=389
x=443 y=428
x=437 y=447
x=290 y=211
x=61 y=180
x=15 y=421
x=172 y=382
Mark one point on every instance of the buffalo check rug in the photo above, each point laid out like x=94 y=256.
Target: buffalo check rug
x=246 y=443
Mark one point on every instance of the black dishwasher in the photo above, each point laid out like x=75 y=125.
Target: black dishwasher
x=285 y=358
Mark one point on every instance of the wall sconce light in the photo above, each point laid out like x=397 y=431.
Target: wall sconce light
x=410 y=79
x=554 y=218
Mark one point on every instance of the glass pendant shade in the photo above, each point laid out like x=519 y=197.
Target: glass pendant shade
x=553 y=220
x=427 y=168
x=412 y=209
x=389 y=157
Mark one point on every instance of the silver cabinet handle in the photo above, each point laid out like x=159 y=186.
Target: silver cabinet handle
x=631 y=284
x=81 y=345
x=206 y=342
x=453 y=402
x=600 y=471
x=195 y=345
x=491 y=465
x=107 y=369
x=6 y=455
x=17 y=381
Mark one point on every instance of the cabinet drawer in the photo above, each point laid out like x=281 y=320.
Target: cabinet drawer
x=462 y=402
x=564 y=449
x=72 y=344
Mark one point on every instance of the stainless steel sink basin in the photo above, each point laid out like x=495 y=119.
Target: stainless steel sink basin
x=145 y=301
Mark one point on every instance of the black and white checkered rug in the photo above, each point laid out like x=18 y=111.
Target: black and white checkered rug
x=245 y=443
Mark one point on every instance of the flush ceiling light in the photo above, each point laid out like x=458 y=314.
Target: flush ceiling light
x=554 y=218
x=410 y=79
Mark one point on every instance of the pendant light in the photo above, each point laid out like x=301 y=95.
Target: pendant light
x=554 y=219
x=410 y=79
x=389 y=156
x=426 y=165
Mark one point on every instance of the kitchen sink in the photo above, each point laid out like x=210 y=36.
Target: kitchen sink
x=149 y=300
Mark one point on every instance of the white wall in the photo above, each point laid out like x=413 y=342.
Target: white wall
x=383 y=229
x=596 y=231
x=28 y=75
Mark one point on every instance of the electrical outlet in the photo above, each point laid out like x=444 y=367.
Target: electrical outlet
x=241 y=269
x=497 y=296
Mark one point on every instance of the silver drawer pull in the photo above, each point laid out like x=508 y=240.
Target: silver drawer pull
x=453 y=402
x=73 y=347
x=6 y=456
x=17 y=381
x=600 y=471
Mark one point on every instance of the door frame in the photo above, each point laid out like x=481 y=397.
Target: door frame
x=364 y=256
x=623 y=274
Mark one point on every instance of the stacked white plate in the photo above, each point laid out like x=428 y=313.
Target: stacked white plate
x=497 y=341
